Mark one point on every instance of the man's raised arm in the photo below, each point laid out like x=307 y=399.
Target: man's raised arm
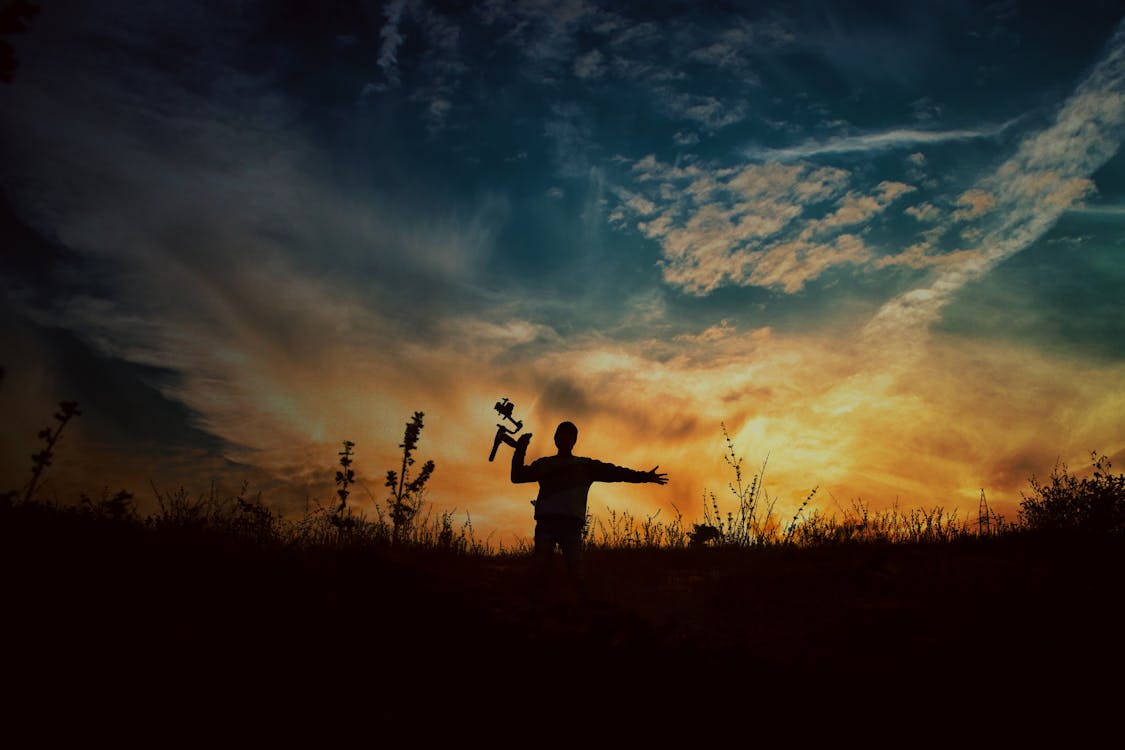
x=521 y=473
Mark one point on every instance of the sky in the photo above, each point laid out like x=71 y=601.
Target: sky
x=882 y=245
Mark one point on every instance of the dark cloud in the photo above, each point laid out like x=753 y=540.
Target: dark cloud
x=125 y=402
x=564 y=396
x=1010 y=473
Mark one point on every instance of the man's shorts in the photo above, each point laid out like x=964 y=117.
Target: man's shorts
x=564 y=531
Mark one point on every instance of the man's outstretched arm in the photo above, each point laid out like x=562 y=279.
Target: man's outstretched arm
x=611 y=473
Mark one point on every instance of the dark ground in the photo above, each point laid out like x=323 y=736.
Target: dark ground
x=111 y=618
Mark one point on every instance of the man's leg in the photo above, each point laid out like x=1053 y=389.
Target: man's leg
x=542 y=554
x=571 y=543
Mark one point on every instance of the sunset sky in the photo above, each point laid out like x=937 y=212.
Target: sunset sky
x=884 y=243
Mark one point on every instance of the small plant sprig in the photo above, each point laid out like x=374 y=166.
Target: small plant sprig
x=406 y=493
x=119 y=507
x=41 y=460
x=792 y=526
x=345 y=476
x=753 y=523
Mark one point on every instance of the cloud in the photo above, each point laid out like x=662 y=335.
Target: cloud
x=974 y=203
x=720 y=330
x=441 y=70
x=823 y=417
x=544 y=31
x=857 y=208
x=750 y=225
x=1047 y=175
x=790 y=265
x=289 y=307
x=1104 y=210
x=899 y=138
x=390 y=40
x=707 y=112
x=925 y=212
x=729 y=49
x=1070 y=241
x=570 y=131
x=590 y=65
x=918 y=257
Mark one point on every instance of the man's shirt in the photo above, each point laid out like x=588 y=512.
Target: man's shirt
x=564 y=481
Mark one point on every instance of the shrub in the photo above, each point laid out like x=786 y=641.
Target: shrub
x=1095 y=503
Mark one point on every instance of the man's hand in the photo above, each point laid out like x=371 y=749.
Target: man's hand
x=522 y=441
x=653 y=477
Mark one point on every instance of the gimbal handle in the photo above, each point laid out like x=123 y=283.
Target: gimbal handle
x=502 y=436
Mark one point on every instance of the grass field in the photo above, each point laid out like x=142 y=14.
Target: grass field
x=175 y=612
x=217 y=606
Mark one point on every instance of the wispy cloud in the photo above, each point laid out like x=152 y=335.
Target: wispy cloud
x=542 y=30
x=391 y=38
x=1047 y=176
x=707 y=112
x=730 y=49
x=920 y=256
x=441 y=69
x=887 y=140
x=590 y=65
x=1104 y=210
x=570 y=132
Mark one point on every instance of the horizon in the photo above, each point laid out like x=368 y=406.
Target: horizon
x=883 y=245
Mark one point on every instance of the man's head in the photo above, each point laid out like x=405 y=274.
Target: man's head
x=566 y=435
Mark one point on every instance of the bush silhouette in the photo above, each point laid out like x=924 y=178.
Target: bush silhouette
x=1095 y=503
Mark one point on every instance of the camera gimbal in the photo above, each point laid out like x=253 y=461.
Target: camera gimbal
x=504 y=434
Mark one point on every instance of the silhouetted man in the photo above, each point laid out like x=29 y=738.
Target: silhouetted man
x=560 y=509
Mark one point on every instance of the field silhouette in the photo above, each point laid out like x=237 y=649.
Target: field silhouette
x=168 y=612
x=216 y=604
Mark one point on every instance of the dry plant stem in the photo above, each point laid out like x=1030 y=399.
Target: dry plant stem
x=42 y=459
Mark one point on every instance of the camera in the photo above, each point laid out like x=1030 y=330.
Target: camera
x=504 y=406
x=504 y=434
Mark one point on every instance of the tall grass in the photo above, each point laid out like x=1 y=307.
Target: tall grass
x=750 y=519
